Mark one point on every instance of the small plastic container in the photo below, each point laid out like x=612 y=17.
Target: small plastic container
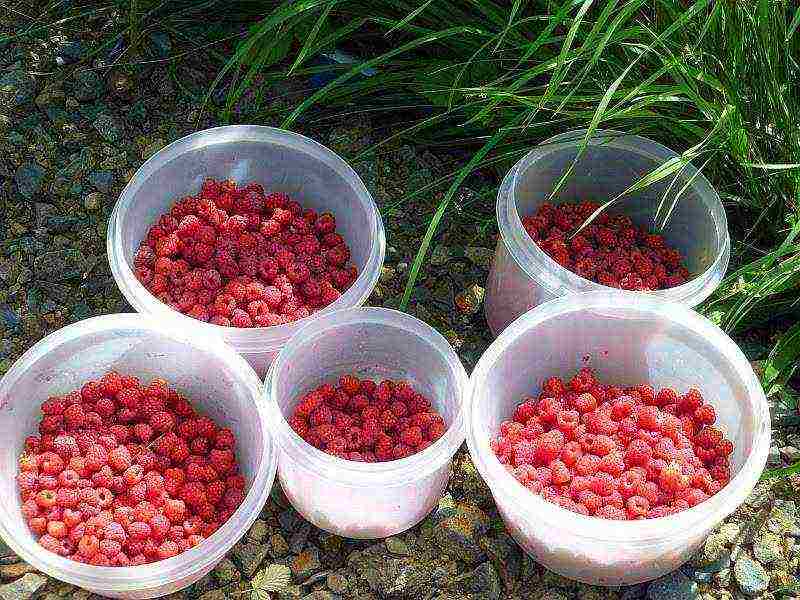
x=629 y=340
x=279 y=160
x=355 y=499
x=219 y=382
x=523 y=276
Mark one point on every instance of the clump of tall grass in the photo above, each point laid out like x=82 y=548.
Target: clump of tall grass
x=717 y=80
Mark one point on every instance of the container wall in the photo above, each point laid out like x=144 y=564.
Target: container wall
x=510 y=291
x=359 y=512
x=598 y=562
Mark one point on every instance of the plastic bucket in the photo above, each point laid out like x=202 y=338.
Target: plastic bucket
x=523 y=276
x=630 y=340
x=355 y=499
x=279 y=160
x=220 y=383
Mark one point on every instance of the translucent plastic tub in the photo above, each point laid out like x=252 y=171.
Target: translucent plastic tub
x=220 y=383
x=628 y=340
x=523 y=276
x=354 y=499
x=281 y=161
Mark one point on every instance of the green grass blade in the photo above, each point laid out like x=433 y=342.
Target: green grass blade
x=305 y=51
x=499 y=135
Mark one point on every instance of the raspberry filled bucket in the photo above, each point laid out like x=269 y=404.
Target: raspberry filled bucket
x=628 y=341
x=277 y=161
x=220 y=384
x=523 y=275
x=366 y=499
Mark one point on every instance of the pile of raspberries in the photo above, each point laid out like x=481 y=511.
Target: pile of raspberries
x=125 y=473
x=237 y=256
x=362 y=420
x=611 y=250
x=613 y=452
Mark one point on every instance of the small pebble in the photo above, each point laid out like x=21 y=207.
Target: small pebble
x=396 y=545
x=750 y=575
x=674 y=586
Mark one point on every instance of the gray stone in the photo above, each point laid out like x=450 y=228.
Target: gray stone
x=674 y=586
x=287 y=519
x=250 y=556
x=633 y=592
x=93 y=201
x=723 y=562
x=730 y=533
x=440 y=255
x=72 y=51
x=457 y=535
x=107 y=126
x=278 y=546
x=321 y=595
x=225 y=572
x=767 y=548
x=259 y=531
x=16 y=89
x=15 y=570
x=306 y=563
x=86 y=85
x=59 y=265
x=481 y=257
x=5 y=550
x=750 y=575
x=51 y=97
x=391 y=577
x=62 y=294
x=337 y=582
x=484 y=581
x=298 y=540
x=41 y=212
x=29 y=178
x=102 y=180
x=713 y=548
x=24 y=588
x=396 y=545
x=387 y=274
x=61 y=223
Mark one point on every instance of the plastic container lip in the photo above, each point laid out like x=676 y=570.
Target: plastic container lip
x=535 y=508
x=360 y=474
x=555 y=278
x=260 y=339
x=132 y=579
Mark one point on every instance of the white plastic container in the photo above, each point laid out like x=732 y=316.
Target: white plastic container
x=279 y=160
x=628 y=339
x=355 y=499
x=523 y=276
x=219 y=382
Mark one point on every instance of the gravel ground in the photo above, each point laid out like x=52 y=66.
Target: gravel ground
x=70 y=139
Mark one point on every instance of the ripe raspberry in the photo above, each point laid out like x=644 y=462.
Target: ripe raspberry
x=690 y=401
x=120 y=459
x=193 y=493
x=671 y=479
x=708 y=437
x=705 y=415
x=143 y=432
x=162 y=421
